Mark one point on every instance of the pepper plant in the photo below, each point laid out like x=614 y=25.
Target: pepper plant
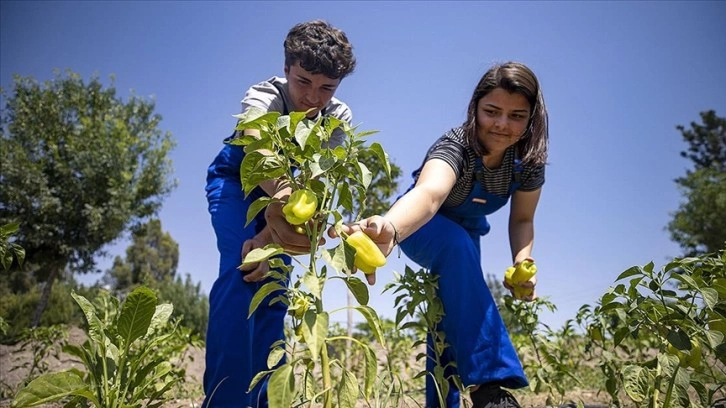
x=419 y=308
x=680 y=311
x=325 y=181
x=124 y=357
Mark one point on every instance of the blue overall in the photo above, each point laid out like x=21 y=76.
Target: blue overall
x=237 y=347
x=449 y=247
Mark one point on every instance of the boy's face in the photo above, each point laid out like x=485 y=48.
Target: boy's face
x=309 y=91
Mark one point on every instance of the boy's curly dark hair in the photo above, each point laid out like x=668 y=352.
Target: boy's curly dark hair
x=320 y=48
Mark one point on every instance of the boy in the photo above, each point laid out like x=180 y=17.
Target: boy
x=317 y=58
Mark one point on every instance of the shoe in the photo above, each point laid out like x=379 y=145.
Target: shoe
x=493 y=396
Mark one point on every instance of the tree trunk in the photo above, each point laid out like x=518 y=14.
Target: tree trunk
x=43 y=303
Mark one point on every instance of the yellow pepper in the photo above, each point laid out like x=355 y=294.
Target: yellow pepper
x=694 y=359
x=682 y=358
x=367 y=255
x=299 y=304
x=689 y=358
x=300 y=207
x=522 y=272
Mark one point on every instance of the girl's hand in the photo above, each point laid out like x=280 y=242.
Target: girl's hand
x=519 y=289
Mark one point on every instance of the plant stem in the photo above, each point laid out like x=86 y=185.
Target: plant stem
x=669 y=392
x=327 y=386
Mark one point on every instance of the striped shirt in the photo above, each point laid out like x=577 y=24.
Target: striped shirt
x=454 y=149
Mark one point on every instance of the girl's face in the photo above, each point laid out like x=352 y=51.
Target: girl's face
x=309 y=91
x=501 y=119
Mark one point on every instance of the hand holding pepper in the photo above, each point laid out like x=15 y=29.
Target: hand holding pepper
x=368 y=256
x=520 y=279
x=379 y=230
x=283 y=232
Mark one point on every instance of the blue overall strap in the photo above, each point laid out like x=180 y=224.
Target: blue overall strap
x=518 y=168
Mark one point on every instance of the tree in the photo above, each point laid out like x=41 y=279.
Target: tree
x=152 y=257
x=698 y=225
x=79 y=167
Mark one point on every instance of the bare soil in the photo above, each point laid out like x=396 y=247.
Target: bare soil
x=12 y=374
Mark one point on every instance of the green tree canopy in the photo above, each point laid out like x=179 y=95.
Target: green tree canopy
x=699 y=224
x=153 y=256
x=80 y=166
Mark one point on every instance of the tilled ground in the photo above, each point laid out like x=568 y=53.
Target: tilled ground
x=190 y=394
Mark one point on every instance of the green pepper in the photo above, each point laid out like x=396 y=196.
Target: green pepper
x=522 y=272
x=300 y=207
x=367 y=254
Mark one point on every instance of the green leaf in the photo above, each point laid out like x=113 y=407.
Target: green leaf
x=710 y=297
x=315 y=169
x=365 y=133
x=679 y=339
x=331 y=123
x=9 y=229
x=636 y=382
x=382 y=157
x=686 y=279
x=53 y=387
x=261 y=294
x=302 y=132
x=161 y=317
x=257 y=206
x=633 y=270
x=262 y=254
x=256 y=168
x=326 y=163
x=715 y=338
x=295 y=118
x=371 y=369
x=275 y=356
x=345 y=199
x=136 y=314
x=365 y=175
x=315 y=331
x=313 y=283
x=348 y=390
x=257 y=378
x=281 y=387
x=374 y=323
x=358 y=288
x=255 y=118
x=95 y=327
x=341 y=257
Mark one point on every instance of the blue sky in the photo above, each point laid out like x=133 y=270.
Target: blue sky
x=617 y=78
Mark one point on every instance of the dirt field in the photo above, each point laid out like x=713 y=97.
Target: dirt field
x=194 y=365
